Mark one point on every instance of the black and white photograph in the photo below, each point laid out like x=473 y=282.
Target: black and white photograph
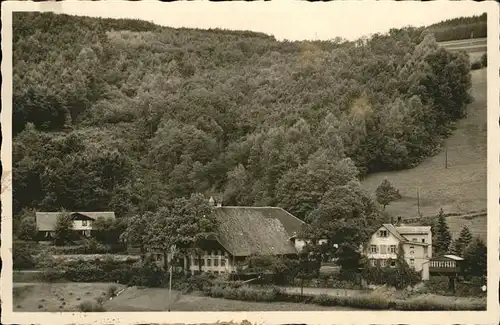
x=254 y=157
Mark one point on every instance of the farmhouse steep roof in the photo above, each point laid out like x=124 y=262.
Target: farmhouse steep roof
x=245 y=231
x=46 y=221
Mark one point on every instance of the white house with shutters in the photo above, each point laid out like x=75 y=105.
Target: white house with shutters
x=415 y=241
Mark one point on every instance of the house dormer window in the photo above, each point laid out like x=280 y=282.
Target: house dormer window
x=382 y=233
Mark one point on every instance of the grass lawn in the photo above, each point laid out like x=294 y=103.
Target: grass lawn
x=461 y=187
x=54 y=297
x=156 y=299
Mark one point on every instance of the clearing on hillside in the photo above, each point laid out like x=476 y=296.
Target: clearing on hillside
x=461 y=187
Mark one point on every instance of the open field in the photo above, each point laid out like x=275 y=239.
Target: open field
x=461 y=188
x=54 y=297
x=475 y=47
x=469 y=45
x=67 y=296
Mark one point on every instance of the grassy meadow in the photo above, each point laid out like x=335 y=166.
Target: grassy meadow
x=460 y=188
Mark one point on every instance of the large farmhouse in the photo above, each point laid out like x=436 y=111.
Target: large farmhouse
x=82 y=222
x=243 y=232
x=416 y=243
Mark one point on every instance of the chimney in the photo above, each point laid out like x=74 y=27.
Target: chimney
x=211 y=201
x=399 y=220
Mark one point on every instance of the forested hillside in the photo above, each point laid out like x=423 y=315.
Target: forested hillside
x=124 y=115
x=460 y=28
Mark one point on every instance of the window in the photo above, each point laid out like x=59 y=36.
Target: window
x=373 y=248
x=392 y=249
x=412 y=261
x=372 y=262
x=216 y=262
x=393 y=263
x=412 y=247
x=84 y=222
x=209 y=262
x=382 y=233
x=414 y=239
x=223 y=262
x=382 y=263
x=195 y=262
x=383 y=249
x=423 y=240
x=202 y=262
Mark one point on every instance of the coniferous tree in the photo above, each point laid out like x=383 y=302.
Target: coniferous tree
x=475 y=258
x=463 y=240
x=443 y=235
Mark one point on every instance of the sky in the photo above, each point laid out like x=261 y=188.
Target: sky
x=292 y=20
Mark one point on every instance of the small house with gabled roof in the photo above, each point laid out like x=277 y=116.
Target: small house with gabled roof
x=82 y=222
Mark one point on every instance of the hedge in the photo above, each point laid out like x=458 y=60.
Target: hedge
x=369 y=302
x=127 y=272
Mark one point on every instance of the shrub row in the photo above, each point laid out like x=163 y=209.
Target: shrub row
x=439 y=285
x=372 y=302
x=124 y=272
x=89 y=247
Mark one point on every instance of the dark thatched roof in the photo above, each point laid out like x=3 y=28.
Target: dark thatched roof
x=246 y=231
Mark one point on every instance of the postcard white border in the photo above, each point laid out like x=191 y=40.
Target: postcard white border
x=490 y=316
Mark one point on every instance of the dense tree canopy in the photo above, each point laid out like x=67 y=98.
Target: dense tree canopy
x=124 y=115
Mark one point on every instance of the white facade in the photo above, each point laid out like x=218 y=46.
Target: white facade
x=384 y=245
x=212 y=261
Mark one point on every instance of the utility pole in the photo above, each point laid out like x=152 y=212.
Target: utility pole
x=446 y=157
x=172 y=255
x=170 y=288
x=418 y=202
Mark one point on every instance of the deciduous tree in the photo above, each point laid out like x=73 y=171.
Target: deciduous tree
x=387 y=193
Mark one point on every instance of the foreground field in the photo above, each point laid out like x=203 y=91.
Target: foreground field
x=54 y=297
x=460 y=188
x=67 y=296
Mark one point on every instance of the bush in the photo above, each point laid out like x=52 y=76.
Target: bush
x=22 y=256
x=398 y=277
x=484 y=60
x=244 y=293
x=53 y=274
x=112 y=289
x=476 y=65
x=123 y=272
x=90 y=306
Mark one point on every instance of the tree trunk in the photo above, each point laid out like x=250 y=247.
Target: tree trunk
x=188 y=264
x=199 y=263
x=165 y=261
